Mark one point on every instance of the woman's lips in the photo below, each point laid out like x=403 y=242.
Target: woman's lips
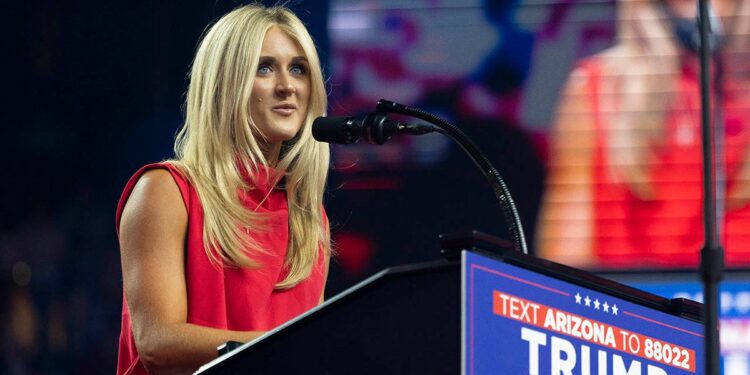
x=284 y=110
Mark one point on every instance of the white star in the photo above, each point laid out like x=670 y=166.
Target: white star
x=578 y=298
x=614 y=309
x=587 y=300
x=606 y=306
x=596 y=304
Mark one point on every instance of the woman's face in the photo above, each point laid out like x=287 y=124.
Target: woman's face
x=281 y=90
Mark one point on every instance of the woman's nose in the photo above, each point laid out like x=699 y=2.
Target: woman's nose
x=285 y=87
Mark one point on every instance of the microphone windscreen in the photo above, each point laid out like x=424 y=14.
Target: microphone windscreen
x=334 y=129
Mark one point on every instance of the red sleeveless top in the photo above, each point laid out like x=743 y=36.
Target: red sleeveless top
x=230 y=298
x=668 y=229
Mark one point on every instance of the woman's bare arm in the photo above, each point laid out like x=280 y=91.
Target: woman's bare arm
x=153 y=229
x=565 y=225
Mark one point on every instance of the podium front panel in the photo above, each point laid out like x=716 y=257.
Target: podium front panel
x=403 y=320
x=516 y=321
x=509 y=314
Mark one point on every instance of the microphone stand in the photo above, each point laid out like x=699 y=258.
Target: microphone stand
x=712 y=254
x=510 y=213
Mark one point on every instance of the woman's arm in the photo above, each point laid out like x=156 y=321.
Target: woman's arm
x=565 y=226
x=738 y=194
x=153 y=229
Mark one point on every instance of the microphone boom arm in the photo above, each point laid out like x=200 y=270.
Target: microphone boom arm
x=508 y=207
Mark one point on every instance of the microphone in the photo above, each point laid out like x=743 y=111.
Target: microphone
x=376 y=128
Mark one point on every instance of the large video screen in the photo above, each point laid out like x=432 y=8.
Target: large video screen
x=591 y=110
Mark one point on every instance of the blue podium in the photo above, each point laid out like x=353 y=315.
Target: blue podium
x=485 y=310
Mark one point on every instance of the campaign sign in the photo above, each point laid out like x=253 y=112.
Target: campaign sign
x=734 y=319
x=519 y=322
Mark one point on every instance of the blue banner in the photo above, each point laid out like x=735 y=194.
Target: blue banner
x=734 y=320
x=519 y=322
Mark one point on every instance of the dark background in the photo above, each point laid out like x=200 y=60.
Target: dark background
x=96 y=91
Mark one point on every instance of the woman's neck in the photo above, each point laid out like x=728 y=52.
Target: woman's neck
x=272 y=153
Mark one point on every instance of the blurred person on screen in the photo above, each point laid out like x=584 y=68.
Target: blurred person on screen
x=624 y=177
x=229 y=239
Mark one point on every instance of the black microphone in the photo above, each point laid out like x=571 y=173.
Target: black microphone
x=376 y=128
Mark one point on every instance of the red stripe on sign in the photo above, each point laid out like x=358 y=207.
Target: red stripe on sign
x=520 y=280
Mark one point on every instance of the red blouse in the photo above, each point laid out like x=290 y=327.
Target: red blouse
x=230 y=298
x=667 y=230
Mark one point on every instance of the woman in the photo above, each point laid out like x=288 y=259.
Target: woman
x=624 y=179
x=229 y=239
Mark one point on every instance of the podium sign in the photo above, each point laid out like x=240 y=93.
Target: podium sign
x=734 y=321
x=515 y=321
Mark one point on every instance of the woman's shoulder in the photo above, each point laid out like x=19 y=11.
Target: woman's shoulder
x=608 y=60
x=164 y=173
x=160 y=185
x=158 y=181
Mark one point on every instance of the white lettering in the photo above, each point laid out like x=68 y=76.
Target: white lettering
x=618 y=366
x=610 y=340
x=560 y=365
x=519 y=309
x=561 y=320
x=602 y=362
x=567 y=358
x=549 y=320
x=587 y=330
x=585 y=360
x=505 y=298
x=576 y=331
x=535 y=339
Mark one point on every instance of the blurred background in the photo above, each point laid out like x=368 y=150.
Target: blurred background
x=96 y=91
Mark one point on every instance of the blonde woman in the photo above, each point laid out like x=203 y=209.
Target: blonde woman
x=229 y=239
x=624 y=179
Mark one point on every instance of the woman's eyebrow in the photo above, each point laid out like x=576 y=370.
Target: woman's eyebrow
x=272 y=60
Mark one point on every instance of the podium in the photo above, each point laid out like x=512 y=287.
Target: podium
x=484 y=310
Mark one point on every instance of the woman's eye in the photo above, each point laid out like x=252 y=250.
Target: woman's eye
x=297 y=70
x=264 y=69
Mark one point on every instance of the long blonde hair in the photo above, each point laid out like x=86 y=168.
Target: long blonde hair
x=219 y=143
x=640 y=84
